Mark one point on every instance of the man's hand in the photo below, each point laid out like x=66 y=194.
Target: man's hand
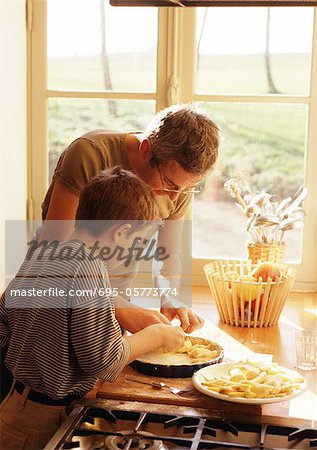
x=134 y=318
x=190 y=321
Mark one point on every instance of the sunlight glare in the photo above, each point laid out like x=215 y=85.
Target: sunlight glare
x=311 y=311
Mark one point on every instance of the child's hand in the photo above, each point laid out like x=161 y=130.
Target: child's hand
x=154 y=337
x=172 y=338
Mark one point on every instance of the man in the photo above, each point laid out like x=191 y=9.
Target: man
x=172 y=156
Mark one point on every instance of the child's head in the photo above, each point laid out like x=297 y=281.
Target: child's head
x=115 y=196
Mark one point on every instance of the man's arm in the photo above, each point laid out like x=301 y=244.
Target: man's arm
x=76 y=166
x=170 y=238
x=62 y=207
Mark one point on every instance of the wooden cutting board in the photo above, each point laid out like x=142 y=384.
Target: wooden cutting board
x=127 y=390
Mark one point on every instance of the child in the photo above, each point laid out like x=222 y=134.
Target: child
x=58 y=318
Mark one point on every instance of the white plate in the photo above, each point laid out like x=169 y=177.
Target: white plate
x=222 y=369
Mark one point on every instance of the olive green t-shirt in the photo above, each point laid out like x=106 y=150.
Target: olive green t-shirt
x=93 y=152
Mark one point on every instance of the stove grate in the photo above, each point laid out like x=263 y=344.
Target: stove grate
x=223 y=425
x=303 y=433
x=183 y=432
x=178 y=421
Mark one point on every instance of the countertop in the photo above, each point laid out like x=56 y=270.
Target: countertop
x=299 y=312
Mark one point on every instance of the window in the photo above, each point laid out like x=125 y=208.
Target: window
x=253 y=73
x=89 y=55
x=95 y=66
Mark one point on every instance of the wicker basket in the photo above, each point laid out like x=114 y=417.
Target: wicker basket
x=247 y=303
x=274 y=253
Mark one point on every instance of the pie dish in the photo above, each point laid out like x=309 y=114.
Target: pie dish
x=179 y=365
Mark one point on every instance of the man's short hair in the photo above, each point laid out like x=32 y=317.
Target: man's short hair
x=116 y=195
x=184 y=134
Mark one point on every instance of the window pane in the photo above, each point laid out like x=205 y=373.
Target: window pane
x=263 y=148
x=254 y=50
x=86 y=52
x=70 y=118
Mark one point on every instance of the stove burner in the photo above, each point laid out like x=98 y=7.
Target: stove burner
x=134 y=441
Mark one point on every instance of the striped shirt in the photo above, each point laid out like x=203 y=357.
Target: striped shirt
x=58 y=322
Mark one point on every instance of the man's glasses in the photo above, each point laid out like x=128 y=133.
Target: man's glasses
x=173 y=188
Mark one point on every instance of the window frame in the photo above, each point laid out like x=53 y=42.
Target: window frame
x=176 y=60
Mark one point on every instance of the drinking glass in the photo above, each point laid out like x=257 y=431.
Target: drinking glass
x=306 y=349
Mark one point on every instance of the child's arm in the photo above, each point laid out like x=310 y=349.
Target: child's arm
x=154 y=337
x=96 y=338
x=101 y=350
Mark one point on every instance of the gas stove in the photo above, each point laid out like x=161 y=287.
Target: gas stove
x=116 y=426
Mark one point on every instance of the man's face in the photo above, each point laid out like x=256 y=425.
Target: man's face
x=171 y=179
x=166 y=179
